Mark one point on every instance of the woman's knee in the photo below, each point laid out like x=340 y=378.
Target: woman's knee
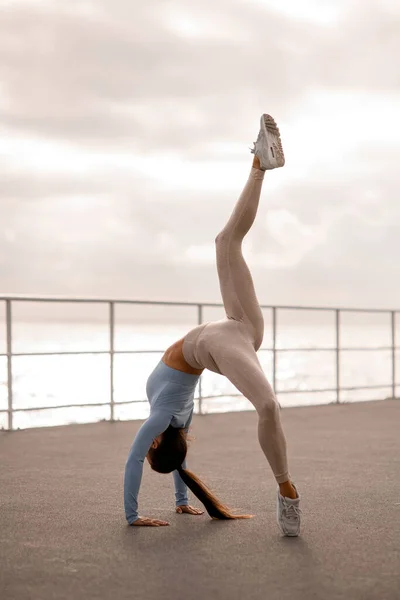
x=269 y=409
x=221 y=238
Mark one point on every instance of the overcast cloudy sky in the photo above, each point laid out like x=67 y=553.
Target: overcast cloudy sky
x=124 y=135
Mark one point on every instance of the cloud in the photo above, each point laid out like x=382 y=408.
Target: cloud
x=359 y=53
x=125 y=127
x=122 y=73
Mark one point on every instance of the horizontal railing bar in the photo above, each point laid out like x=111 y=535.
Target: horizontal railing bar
x=97 y=404
x=233 y=395
x=284 y=392
x=342 y=389
x=172 y=303
x=311 y=391
x=366 y=387
x=98 y=301
x=328 y=349
x=366 y=310
x=34 y=408
x=356 y=349
x=86 y=352
x=298 y=349
x=62 y=353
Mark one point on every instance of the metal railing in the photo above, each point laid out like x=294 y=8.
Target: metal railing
x=112 y=352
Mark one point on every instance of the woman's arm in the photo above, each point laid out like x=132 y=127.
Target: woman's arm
x=181 y=492
x=156 y=424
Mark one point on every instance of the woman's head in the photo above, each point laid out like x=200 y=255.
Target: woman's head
x=168 y=453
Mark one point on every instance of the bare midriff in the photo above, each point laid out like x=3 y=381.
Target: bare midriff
x=173 y=357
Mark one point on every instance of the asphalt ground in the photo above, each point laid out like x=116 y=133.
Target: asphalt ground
x=63 y=533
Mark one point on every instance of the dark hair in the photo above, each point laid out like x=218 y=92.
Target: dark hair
x=169 y=456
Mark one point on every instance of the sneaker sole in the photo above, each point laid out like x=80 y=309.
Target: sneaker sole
x=268 y=124
x=282 y=529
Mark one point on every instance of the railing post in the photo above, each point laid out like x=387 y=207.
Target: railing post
x=393 y=354
x=274 y=349
x=199 y=322
x=112 y=328
x=9 y=364
x=337 y=311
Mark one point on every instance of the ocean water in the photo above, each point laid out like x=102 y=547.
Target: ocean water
x=54 y=381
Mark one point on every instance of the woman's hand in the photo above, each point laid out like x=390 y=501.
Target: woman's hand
x=149 y=522
x=190 y=510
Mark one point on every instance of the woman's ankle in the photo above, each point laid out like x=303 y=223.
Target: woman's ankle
x=287 y=490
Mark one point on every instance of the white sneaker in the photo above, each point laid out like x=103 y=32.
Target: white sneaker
x=268 y=147
x=288 y=514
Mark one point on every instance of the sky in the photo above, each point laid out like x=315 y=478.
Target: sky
x=125 y=130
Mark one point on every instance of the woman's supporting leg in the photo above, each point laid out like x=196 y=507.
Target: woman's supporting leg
x=239 y=363
x=236 y=283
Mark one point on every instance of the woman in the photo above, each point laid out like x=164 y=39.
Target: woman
x=228 y=347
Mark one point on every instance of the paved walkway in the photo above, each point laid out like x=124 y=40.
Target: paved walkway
x=63 y=534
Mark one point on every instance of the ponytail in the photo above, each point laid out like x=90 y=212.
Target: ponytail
x=171 y=452
x=214 y=507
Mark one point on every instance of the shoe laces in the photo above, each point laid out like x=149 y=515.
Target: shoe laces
x=292 y=511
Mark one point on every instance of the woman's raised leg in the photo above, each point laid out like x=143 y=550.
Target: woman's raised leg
x=236 y=283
